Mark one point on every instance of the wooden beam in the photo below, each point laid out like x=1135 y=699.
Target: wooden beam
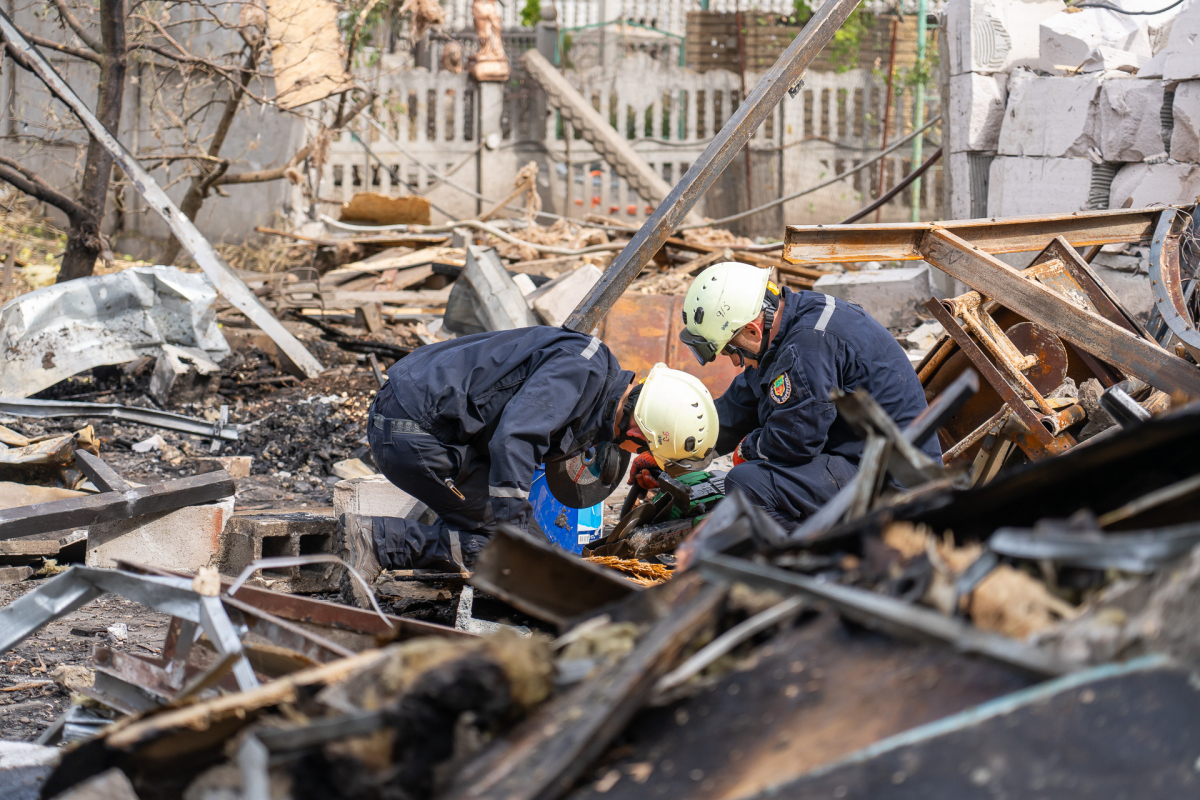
x=1103 y=339
x=101 y=474
x=80 y=512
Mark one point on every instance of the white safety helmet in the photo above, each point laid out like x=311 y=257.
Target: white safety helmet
x=679 y=419
x=720 y=302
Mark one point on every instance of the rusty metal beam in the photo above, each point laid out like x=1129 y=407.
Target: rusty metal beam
x=1103 y=339
x=703 y=173
x=816 y=244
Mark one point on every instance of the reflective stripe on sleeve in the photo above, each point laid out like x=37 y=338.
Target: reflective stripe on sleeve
x=827 y=314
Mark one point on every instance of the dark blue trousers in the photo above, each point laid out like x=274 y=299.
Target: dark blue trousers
x=790 y=494
x=431 y=472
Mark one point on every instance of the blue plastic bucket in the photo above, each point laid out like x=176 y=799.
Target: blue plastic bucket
x=569 y=528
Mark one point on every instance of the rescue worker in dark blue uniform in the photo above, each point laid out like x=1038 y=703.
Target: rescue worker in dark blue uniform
x=792 y=452
x=462 y=425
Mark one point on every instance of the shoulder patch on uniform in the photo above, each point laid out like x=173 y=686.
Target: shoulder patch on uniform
x=781 y=388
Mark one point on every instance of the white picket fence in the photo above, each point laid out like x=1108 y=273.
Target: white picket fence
x=669 y=115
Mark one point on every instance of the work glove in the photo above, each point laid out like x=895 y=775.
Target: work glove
x=743 y=452
x=642 y=472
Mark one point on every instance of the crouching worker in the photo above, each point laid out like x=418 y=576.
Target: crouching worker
x=462 y=425
x=792 y=451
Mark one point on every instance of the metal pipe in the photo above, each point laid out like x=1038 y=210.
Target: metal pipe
x=912 y=177
x=704 y=171
x=919 y=109
x=1060 y=421
x=887 y=112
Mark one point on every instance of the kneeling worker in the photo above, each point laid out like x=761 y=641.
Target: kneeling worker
x=792 y=452
x=462 y=425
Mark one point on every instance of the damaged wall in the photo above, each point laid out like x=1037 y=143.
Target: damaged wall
x=1097 y=110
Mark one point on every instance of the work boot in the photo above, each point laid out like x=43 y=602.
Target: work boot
x=356 y=546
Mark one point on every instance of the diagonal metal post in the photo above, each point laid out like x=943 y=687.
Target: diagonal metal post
x=704 y=172
x=224 y=279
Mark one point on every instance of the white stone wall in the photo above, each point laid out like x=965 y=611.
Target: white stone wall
x=1070 y=110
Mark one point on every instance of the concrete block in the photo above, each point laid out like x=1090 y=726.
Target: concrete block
x=1185 y=136
x=891 y=296
x=992 y=36
x=1104 y=58
x=1138 y=185
x=236 y=466
x=251 y=537
x=14 y=574
x=977 y=104
x=957 y=173
x=1050 y=117
x=525 y=284
x=1023 y=186
x=183 y=375
x=372 y=496
x=1067 y=39
x=968 y=179
x=501 y=304
x=555 y=301
x=24 y=767
x=185 y=539
x=1179 y=59
x=1131 y=119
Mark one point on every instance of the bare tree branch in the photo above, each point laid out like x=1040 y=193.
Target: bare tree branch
x=66 y=16
x=78 y=52
x=276 y=173
x=30 y=183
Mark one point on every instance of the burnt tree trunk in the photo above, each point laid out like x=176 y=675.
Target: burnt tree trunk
x=85 y=240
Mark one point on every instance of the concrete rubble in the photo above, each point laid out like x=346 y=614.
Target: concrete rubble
x=1067 y=39
x=189 y=608
x=889 y=295
x=651 y=620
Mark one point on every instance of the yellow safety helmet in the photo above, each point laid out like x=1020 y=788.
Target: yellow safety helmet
x=720 y=302
x=679 y=419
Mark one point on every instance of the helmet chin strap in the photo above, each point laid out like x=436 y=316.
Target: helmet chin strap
x=770 y=306
x=626 y=415
x=768 y=321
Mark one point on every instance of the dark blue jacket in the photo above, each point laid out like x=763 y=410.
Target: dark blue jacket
x=520 y=396
x=782 y=408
